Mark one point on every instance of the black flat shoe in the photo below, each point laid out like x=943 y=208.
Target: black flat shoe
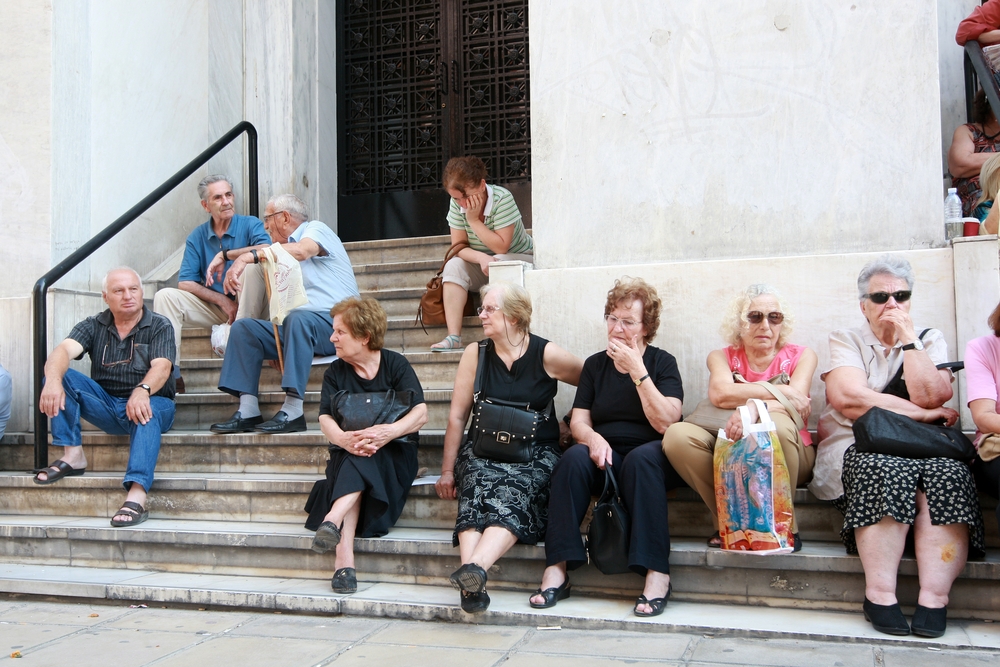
x=887 y=618
x=929 y=622
x=551 y=595
x=658 y=604
x=475 y=602
x=280 y=423
x=236 y=424
x=327 y=538
x=345 y=580
x=470 y=578
x=796 y=543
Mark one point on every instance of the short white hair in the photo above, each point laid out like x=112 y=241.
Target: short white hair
x=104 y=282
x=290 y=203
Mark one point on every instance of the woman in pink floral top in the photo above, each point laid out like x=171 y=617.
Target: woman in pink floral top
x=757 y=327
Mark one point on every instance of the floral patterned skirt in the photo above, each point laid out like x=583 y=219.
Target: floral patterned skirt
x=878 y=485
x=514 y=496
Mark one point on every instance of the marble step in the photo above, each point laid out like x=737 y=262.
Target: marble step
x=821 y=576
x=847 y=631
x=394 y=250
x=201 y=410
x=198 y=452
x=396 y=275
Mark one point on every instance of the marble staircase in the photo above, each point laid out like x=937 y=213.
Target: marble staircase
x=231 y=506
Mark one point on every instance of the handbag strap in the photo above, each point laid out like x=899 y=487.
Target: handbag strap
x=452 y=252
x=390 y=398
x=609 y=480
x=785 y=403
x=899 y=374
x=477 y=385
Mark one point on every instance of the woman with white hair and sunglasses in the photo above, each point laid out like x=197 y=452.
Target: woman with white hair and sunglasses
x=757 y=327
x=882 y=496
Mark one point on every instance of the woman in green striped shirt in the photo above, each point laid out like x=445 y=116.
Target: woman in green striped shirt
x=486 y=217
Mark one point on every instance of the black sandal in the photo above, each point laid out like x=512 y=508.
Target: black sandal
x=327 y=537
x=136 y=511
x=345 y=580
x=658 y=604
x=551 y=595
x=56 y=472
x=470 y=577
x=715 y=541
x=473 y=603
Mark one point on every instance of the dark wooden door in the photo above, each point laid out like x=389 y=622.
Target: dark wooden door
x=421 y=81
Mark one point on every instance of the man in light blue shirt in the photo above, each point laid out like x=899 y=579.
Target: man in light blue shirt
x=199 y=300
x=5 y=398
x=328 y=279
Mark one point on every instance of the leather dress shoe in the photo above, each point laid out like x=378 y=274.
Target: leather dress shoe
x=280 y=423
x=236 y=424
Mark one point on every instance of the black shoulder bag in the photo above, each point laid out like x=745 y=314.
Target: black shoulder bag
x=608 y=535
x=880 y=431
x=503 y=430
x=357 y=411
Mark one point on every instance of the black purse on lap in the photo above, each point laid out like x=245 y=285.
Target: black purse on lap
x=357 y=411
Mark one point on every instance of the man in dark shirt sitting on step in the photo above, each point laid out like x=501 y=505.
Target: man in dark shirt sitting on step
x=130 y=390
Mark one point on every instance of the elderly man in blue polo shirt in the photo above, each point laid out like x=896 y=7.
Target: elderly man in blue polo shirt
x=199 y=299
x=129 y=391
x=328 y=279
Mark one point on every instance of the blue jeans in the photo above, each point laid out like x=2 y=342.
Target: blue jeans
x=85 y=398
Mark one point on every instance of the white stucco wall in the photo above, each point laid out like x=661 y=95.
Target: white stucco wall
x=688 y=131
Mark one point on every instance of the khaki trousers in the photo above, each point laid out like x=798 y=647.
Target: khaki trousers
x=184 y=309
x=690 y=450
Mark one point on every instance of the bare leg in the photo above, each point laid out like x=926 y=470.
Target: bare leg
x=657 y=585
x=486 y=548
x=136 y=494
x=454 y=297
x=941 y=555
x=881 y=548
x=74 y=456
x=553 y=577
x=345 y=550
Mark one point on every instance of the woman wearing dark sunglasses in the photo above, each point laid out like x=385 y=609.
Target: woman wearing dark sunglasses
x=757 y=327
x=883 y=496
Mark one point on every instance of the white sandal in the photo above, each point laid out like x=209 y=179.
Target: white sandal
x=450 y=342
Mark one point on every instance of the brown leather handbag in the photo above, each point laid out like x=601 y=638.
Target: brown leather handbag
x=431 y=310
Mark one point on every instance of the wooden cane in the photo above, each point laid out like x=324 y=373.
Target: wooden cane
x=277 y=339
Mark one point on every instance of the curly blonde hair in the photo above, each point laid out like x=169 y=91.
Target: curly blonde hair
x=629 y=290
x=363 y=317
x=735 y=320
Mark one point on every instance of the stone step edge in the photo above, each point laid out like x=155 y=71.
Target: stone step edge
x=437 y=239
x=436 y=603
x=430 y=437
x=431 y=542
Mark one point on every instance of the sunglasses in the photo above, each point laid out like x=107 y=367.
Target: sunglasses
x=901 y=296
x=756 y=317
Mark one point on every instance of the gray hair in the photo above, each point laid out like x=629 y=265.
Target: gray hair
x=292 y=204
x=513 y=300
x=889 y=265
x=104 y=281
x=208 y=180
x=735 y=319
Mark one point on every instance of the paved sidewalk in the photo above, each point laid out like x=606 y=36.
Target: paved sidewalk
x=84 y=635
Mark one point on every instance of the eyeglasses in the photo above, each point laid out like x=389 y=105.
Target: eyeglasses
x=902 y=296
x=489 y=310
x=756 y=317
x=271 y=215
x=626 y=324
x=109 y=364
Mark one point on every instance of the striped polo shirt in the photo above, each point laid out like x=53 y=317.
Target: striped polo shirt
x=501 y=211
x=119 y=365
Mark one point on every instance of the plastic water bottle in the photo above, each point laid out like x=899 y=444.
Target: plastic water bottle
x=953 y=225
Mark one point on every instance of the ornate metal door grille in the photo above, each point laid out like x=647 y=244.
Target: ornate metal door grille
x=421 y=81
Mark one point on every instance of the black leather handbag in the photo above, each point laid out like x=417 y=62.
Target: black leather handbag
x=357 y=411
x=503 y=430
x=608 y=535
x=881 y=431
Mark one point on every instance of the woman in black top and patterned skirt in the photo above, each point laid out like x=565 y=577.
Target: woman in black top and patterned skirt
x=500 y=503
x=629 y=394
x=371 y=470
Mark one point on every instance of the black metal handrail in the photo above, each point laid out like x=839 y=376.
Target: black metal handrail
x=978 y=72
x=40 y=314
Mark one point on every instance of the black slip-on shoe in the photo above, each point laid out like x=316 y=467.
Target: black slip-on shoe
x=887 y=618
x=236 y=424
x=929 y=622
x=280 y=423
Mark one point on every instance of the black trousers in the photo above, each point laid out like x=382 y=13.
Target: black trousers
x=987 y=476
x=644 y=476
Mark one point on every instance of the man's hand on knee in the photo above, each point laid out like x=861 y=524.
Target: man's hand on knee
x=138 y=408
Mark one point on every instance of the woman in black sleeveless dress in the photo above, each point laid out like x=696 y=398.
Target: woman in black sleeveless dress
x=499 y=503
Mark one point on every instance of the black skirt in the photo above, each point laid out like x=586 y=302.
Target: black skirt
x=879 y=485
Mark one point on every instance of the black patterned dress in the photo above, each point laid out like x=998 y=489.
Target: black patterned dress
x=514 y=496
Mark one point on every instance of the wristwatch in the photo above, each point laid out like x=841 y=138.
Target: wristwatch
x=146 y=387
x=639 y=381
x=915 y=345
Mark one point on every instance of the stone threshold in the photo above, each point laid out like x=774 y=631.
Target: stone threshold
x=439 y=603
